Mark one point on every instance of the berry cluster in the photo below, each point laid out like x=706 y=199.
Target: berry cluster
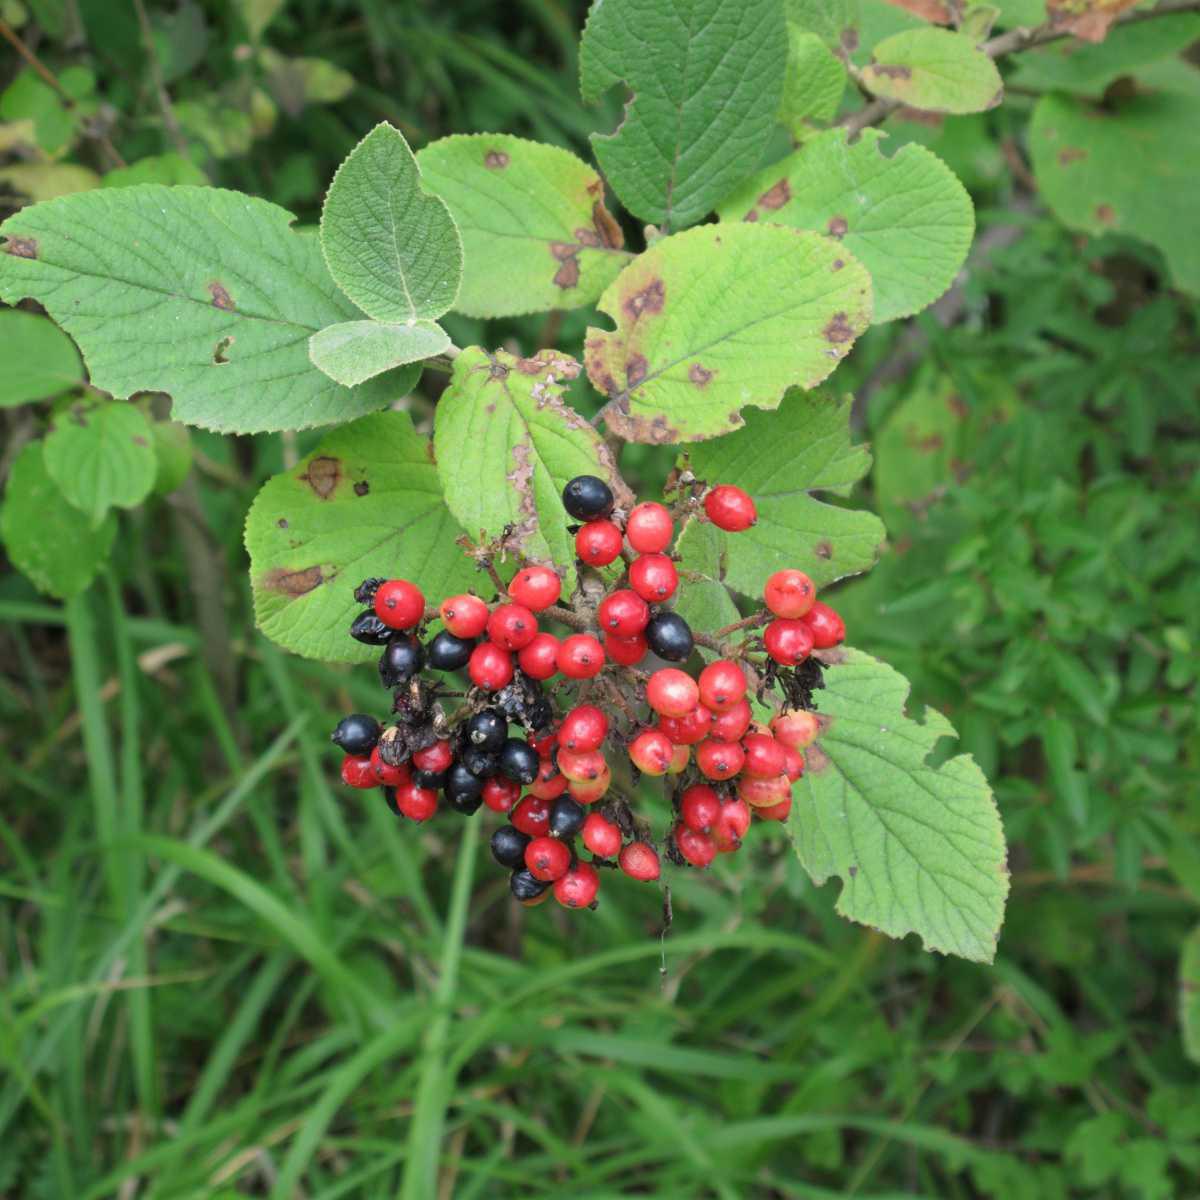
x=553 y=782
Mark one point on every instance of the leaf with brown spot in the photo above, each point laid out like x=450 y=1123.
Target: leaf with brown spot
x=1086 y=19
x=322 y=475
x=747 y=304
x=936 y=70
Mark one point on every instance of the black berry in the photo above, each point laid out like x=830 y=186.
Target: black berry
x=464 y=804
x=356 y=734
x=519 y=761
x=567 y=817
x=524 y=886
x=369 y=629
x=389 y=794
x=403 y=658
x=668 y=635
x=433 y=780
x=587 y=497
x=448 y=653
x=508 y=846
x=479 y=762
x=487 y=730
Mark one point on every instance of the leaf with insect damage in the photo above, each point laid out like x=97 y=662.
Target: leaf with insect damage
x=935 y=70
x=366 y=502
x=919 y=848
x=205 y=294
x=355 y=351
x=507 y=443
x=535 y=232
x=719 y=318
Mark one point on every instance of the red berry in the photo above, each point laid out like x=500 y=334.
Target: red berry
x=598 y=543
x=697 y=848
x=765 y=757
x=649 y=528
x=358 y=771
x=793 y=764
x=639 y=861
x=437 y=757
x=828 y=629
x=399 y=604
x=730 y=508
x=719 y=760
x=580 y=656
x=623 y=613
x=796 y=729
x=672 y=692
x=578 y=887
x=547 y=858
x=731 y=824
x=628 y=652
x=416 y=803
x=387 y=775
x=689 y=729
x=490 y=667
x=512 y=626
x=731 y=726
x=550 y=782
x=588 y=791
x=536 y=587
x=543 y=743
x=601 y=836
x=581 y=765
x=500 y=793
x=583 y=728
x=722 y=685
x=539 y=660
x=532 y=816
x=464 y=616
x=789 y=594
x=653 y=577
x=788 y=642
x=775 y=812
x=651 y=752
x=762 y=793
x=679 y=760
x=699 y=806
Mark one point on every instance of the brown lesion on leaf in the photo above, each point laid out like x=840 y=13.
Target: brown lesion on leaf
x=292 y=583
x=1069 y=154
x=1106 y=214
x=220 y=296
x=837 y=264
x=891 y=70
x=654 y=431
x=607 y=228
x=837 y=227
x=824 y=549
x=567 y=275
x=635 y=369
x=282 y=522
x=751 y=216
x=323 y=476
x=838 y=330
x=362 y=488
x=699 y=375
x=776 y=196
x=521 y=478
x=138 y=440
x=649 y=299
x=496 y=160
x=220 y=350
x=852 y=871
x=816 y=761
x=22 y=247
x=848 y=39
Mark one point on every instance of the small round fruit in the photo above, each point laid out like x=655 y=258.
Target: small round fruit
x=435 y=781
x=729 y=508
x=649 y=528
x=402 y=658
x=550 y=781
x=578 y=887
x=539 y=660
x=788 y=642
x=796 y=729
x=490 y=667
x=369 y=629
x=512 y=626
x=598 y=543
x=719 y=760
x=567 y=816
x=500 y=794
x=722 y=685
x=519 y=760
x=627 y=652
x=828 y=629
x=793 y=764
x=669 y=636
x=680 y=760
x=387 y=775
x=653 y=577
x=356 y=734
x=601 y=836
x=416 y=803
x=580 y=656
x=508 y=846
x=651 y=752
x=399 y=604
x=698 y=849
x=765 y=757
x=640 y=861
x=536 y=587
x=762 y=793
x=775 y=812
x=579 y=766
x=588 y=791
x=583 y=728
x=464 y=616
x=543 y=742
x=689 y=729
x=436 y=757
x=672 y=692
x=448 y=653
x=547 y=858
x=462 y=785
x=487 y=729
x=623 y=613
x=586 y=497
x=357 y=771
x=731 y=824
x=699 y=807
x=731 y=726
x=532 y=816
x=479 y=762
x=789 y=594
x=526 y=888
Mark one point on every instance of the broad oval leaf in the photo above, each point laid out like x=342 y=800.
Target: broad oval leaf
x=202 y=293
x=535 y=232
x=813 y=87
x=906 y=218
x=356 y=351
x=391 y=247
x=919 y=849
x=781 y=459
x=719 y=318
x=935 y=70
x=39 y=360
x=705 y=78
x=367 y=502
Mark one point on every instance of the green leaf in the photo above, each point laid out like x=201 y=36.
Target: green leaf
x=704 y=601
x=535 y=232
x=906 y=218
x=173 y=455
x=718 y=318
x=813 y=87
x=1131 y=166
x=705 y=77
x=919 y=849
x=366 y=502
x=297 y=82
x=54 y=118
x=356 y=351
x=506 y=445
x=934 y=70
x=1189 y=995
x=257 y=15
x=169 y=169
x=391 y=247
x=835 y=22
x=102 y=457
x=39 y=360
x=39 y=182
x=48 y=540
x=781 y=458
x=205 y=294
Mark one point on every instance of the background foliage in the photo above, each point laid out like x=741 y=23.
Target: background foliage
x=224 y=977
